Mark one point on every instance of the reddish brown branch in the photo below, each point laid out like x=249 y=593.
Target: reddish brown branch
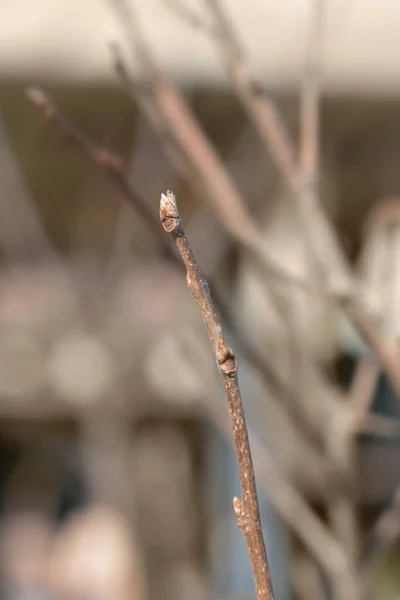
x=246 y=509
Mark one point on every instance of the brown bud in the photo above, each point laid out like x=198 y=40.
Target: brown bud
x=226 y=359
x=169 y=213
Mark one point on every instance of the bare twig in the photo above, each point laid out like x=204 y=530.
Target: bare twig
x=259 y=106
x=306 y=578
x=362 y=390
x=246 y=509
x=145 y=103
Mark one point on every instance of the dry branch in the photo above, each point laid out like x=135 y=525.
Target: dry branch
x=246 y=509
x=362 y=391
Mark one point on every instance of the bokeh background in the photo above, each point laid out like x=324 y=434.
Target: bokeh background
x=116 y=466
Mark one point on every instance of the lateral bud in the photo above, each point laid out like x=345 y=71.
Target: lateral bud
x=226 y=359
x=237 y=506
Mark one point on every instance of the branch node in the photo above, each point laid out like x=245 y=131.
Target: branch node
x=226 y=359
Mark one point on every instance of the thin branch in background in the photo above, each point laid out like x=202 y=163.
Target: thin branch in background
x=317 y=229
x=272 y=132
x=259 y=106
x=306 y=577
x=221 y=191
x=340 y=442
x=362 y=391
x=103 y=158
x=143 y=100
x=311 y=97
x=246 y=509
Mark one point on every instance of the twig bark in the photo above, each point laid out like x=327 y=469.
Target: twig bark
x=246 y=509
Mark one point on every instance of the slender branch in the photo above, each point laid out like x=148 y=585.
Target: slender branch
x=145 y=103
x=246 y=509
x=259 y=106
x=362 y=391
